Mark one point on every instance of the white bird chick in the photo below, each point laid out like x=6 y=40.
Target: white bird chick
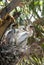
x=16 y=37
x=10 y=36
x=29 y=29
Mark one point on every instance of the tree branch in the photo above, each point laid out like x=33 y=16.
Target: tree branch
x=9 y=8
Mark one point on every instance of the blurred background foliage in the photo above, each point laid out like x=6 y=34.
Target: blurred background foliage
x=31 y=12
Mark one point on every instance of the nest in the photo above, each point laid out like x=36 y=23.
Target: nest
x=36 y=50
x=9 y=54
